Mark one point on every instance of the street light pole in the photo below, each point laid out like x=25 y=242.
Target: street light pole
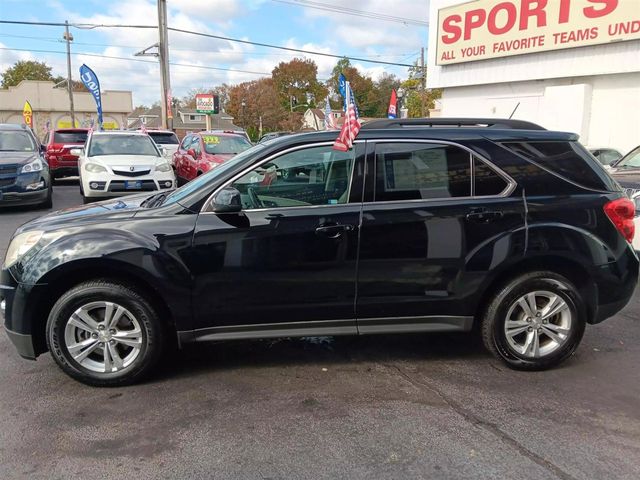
x=243 y=104
x=69 y=38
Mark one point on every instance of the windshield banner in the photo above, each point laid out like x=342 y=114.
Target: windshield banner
x=90 y=81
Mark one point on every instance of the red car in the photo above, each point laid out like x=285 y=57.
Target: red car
x=58 y=144
x=200 y=152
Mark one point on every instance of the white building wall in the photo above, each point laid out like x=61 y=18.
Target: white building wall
x=593 y=90
x=602 y=109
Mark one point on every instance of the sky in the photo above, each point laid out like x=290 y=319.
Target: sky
x=278 y=22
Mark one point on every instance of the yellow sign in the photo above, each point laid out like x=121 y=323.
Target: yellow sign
x=210 y=139
x=27 y=114
x=483 y=29
x=67 y=124
x=109 y=125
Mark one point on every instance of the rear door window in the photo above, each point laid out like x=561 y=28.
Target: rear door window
x=413 y=171
x=486 y=181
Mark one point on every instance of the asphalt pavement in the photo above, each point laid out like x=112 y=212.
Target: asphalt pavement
x=413 y=406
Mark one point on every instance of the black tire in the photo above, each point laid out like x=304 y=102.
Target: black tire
x=152 y=337
x=495 y=316
x=86 y=200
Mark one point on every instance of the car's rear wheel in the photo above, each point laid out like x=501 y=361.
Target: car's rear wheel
x=104 y=334
x=535 y=321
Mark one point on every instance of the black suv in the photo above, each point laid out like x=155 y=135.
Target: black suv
x=424 y=226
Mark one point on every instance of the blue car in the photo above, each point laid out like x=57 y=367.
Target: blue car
x=24 y=173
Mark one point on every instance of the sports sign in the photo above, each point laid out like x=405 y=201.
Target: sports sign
x=483 y=29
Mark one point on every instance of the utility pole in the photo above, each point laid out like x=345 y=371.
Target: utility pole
x=163 y=57
x=422 y=82
x=69 y=38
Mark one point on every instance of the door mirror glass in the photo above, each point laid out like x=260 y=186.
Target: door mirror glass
x=77 y=151
x=227 y=200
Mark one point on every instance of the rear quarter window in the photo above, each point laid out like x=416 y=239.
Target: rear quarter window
x=568 y=160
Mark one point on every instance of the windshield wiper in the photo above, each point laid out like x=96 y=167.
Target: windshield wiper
x=154 y=200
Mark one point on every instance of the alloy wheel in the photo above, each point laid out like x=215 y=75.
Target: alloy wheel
x=538 y=324
x=103 y=337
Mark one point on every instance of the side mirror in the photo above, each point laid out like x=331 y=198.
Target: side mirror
x=43 y=148
x=191 y=152
x=227 y=200
x=77 y=151
x=163 y=151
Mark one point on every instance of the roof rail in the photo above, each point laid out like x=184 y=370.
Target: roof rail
x=507 y=124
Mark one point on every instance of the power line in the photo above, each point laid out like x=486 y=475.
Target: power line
x=290 y=49
x=219 y=37
x=403 y=56
x=354 y=12
x=112 y=57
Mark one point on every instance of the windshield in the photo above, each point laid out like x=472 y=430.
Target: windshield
x=214 y=144
x=205 y=178
x=70 y=137
x=16 y=141
x=630 y=160
x=162 y=138
x=122 y=145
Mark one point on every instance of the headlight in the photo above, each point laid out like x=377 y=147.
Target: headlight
x=163 y=167
x=20 y=245
x=94 y=168
x=35 y=166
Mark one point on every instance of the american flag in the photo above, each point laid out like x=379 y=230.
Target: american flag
x=329 y=123
x=351 y=126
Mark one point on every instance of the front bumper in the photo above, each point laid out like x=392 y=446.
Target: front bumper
x=114 y=185
x=18 y=193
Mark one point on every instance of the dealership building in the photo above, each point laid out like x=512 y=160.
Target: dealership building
x=571 y=65
x=51 y=106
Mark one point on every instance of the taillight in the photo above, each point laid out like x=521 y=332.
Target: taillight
x=621 y=213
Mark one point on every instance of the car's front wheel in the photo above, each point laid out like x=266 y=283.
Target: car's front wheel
x=535 y=321
x=105 y=334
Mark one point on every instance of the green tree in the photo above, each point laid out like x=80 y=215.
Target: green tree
x=296 y=83
x=25 y=70
x=382 y=88
x=362 y=86
x=417 y=100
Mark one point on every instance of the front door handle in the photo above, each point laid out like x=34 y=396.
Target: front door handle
x=484 y=215
x=333 y=231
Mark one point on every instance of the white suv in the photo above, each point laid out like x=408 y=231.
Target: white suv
x=119 y=163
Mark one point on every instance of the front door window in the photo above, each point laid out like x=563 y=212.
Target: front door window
x=310 y=176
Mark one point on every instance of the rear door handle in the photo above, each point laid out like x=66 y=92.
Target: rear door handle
x=483 y=215
x=333 y=231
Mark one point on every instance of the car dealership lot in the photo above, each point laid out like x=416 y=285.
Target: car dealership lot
x=433 y=406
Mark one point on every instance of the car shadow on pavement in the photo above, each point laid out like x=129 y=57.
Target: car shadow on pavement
x=203 y=358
